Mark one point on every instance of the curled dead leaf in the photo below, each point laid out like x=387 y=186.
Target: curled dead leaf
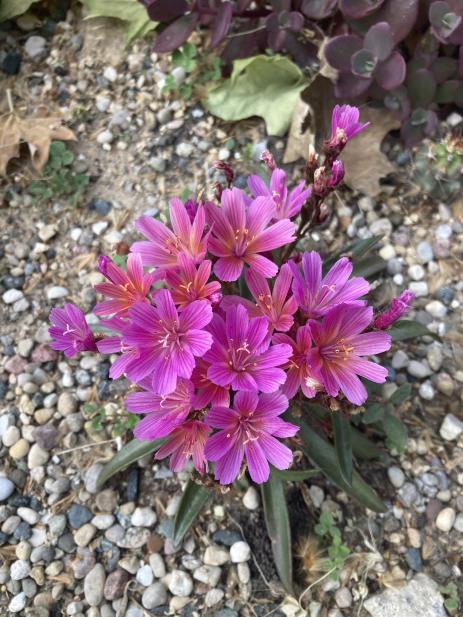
x=37 y=131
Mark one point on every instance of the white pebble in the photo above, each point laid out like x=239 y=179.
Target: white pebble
x=445 y=519
x=251 y=499
x=240 y=551
x=451 y=428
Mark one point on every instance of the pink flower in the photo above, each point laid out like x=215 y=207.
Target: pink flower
x=240 y=355
x=70 y=331
x=163 y=245
x=345 y=123
x=299 y=371
x=249 y=431
x=399 y=307
x=337 y=174
x=340 y=342
x=113 y=344
x=208 y=393
x=286 y=206
x=164 y=413
x=125 y=288
x=316 y=295
x=188 y=283
x=167 y=341
x=185 y=442
x=240 y=234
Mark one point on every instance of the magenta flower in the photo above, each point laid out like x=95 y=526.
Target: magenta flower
x=340 y=341
x=188 y=283
x=399 y=307
x=208 y=393
x=337 y=174
x=249 y=431
x=113 y=344
x=345 y=123
x=286 y=205
x=185 y=442
x=316 y=295
x=124 y=288
x=167 y=341
x=299 y=371
x=164 y=413
x=70 y=331
x=240 y=234
x=240 y=355
x=163 y=245
x=275 y=305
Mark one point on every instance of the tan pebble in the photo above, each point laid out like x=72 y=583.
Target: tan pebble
x=19 y=450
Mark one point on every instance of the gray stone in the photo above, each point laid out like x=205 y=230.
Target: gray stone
x=436 y=309
x=17 y=603
x=458 y=525
x=78 y=515
x=396 y=476
x=424 y=252
x=343 y=597
x=451 y=427
x=408 y=494
x=419 y=598
x=180 y=583
x=416 y=272
x=154 y=595
x=317 y=495
x=94 y=584
x=184 y=150
x=37 y=456
x=240 y=551
x=91 y=477
x=210 y=575
x=143 y=517
x=419 y=288
x=420 y=370
x=399 y=360
x=19 y=570
x=67 y=403
x=6 y=488
x=35 y=47
x=426 y=391
x=145 y=575
x=12 y=295
x=157 y=565
x=381 y=227
x=216 y=556
x=56 y=292
x=446 y=519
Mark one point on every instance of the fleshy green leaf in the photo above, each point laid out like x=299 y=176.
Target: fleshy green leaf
x=127 y=455
x=193 y=500
x=355 y=250
x=295 y=475
x=368 y=266
x=374 y=413
x=265 y=86
x=277 y=521
x=343 y=445
x=396 y=432
x=322 y=454
x=401 y=394
x=131 y=11
x=13 y=8
x=408 y=328
x=362 y=447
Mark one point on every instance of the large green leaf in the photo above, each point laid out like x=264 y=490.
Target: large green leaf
x=13 y=8
x=127 y=455
x=408 y=328
x=131 y=11
x=193 y=500
x=343 y=445
x=295 y=475
x=355 y=250
x=277 y=521
x=322 y=454
x=368 y=266
x=265 y=86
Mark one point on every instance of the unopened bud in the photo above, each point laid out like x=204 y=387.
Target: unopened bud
x=267 y=158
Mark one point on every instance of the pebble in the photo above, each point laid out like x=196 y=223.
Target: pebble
x=437 y=309
x=143 y=517
x=419 y=288
x=145 y=576
x=180 y=583
x=155 y=595
x=240 y=551
x=19 y=569
x=115 y=584
x=426 y=391
x=6 y=488
x=37 y=456
x=418 y=369
x=396 y=476
x=444 y=384
x=35 y=47
x=84 y=534
x=210 y=575
x=12 y=295
x=451 y=428
x=17 y=603
x=399 y=360
x=445 y=519
x=110 y=73
x=213 y=597
x=184 y=150
x=216 y=556
x=105 y=137
x=416 y=272
x=91 y=477
x=381 y=227
x=343 y=597
x=157 y=565
x=19 y=450
x=78 y=515
x=102 y=103
x=458 y=525
x=56 y=292
x=317 y=495
x=251 y=499
x=94 y=584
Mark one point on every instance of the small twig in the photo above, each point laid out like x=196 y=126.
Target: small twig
x=233 y=36
x=319 y=580
x=87 y=445
x=10 y=100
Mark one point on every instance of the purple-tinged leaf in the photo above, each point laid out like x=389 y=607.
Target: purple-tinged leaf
x=422 y=123
x=165 y=10
x=459 y=96
x=444 y=69
x=296 y=21
x=363 y=63
x=244 y=45
x=340 y=49
x=318 y=9
x=276 y=39
x=349 y=86
x=447 y=92
x=176 y=33
x=303 y=52
x=399 y=102
x=222 y=23
x=401 y=15
x=460 y=61
x=391 y=73
x=281 y=5
x=421 y=88
x=443 y=20
x=378 y=40
x=356 y=9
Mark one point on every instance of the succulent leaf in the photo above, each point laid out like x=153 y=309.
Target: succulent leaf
x=222 y=23
x=421 y=88
x=350 y=86
x=447 y=91
x=318 y=9
x=176 y=33
x=379 y=41
x=363 y=63
x=165 y=10
x=391 y=73
x=340 y=49
x=356 y=9
x=444 y=68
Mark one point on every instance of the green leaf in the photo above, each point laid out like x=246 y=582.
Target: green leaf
x=13 y=8
x=277 y=521
x=408 y=328
x=374 y=413
x=368 y=266
x=131 y=11
x=322 y=454
x=343 y=445
x=193 y=500
x=295 y=475
x=127 y=455
x=401 y=394
x=355 y=250
x=396 y=433
x=362 y=447
x=259 y=86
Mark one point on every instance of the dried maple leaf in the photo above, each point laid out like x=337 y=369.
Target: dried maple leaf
x=37 y=131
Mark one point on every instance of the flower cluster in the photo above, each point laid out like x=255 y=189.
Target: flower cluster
x=218 y=331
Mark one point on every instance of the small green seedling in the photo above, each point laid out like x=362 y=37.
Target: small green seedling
x=331 y=538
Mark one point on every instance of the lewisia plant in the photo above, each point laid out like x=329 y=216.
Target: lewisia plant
x=241 y=348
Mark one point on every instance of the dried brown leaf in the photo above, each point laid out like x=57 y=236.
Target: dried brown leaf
x=364 y=162
x=38 y=131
